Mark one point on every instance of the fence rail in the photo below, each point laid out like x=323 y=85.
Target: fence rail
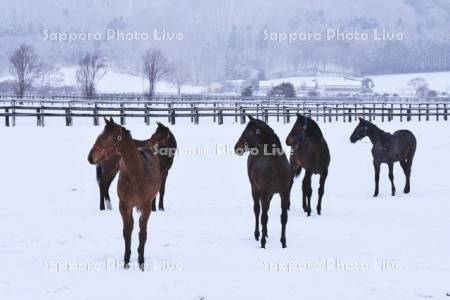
x=218 y=109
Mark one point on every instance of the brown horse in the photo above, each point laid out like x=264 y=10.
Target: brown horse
x=166 y=145
x=139 y=181
x=309 y=151
x=268 y=171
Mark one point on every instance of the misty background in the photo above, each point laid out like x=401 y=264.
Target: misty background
x=225 y=39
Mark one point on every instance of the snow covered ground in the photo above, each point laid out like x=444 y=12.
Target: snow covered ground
x=56 y=244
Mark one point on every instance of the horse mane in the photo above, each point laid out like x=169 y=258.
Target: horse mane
x=313 y=129
x=269 y=131
x=373 y=126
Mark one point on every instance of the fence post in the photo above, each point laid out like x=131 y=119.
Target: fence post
x=401 y=112
x=235 y=112
x=266 y=115
x=169 y=112
x=445 y=112
x=196 y=116
x=437 y=112
x=350 y=115
x=337 y=113
x=42 y=114
x=122 y=114
x=427 y=112
x=95 y=115
x=6 y=117
x=220 y=117
x=13 y=113
x=408 y=112
x=146 y=116
x=172 y=117
x=278 y=112
x=242 y=115
x=214 y=112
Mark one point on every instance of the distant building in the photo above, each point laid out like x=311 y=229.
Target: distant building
x=234 y=86
x=316 y=85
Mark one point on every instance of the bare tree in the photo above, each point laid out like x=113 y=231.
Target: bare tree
x=25 y=67
x=420 y=86
x=91 y=69
x=180 y=75
x=155 y=68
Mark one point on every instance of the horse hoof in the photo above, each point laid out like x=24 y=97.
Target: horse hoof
x=126 y=266
x=263 y=246
x=319 y=212
x=284 y=246
x=375 y=195
x=257 y=236
x=142 y=267
x=161 y=209
x=406 y=191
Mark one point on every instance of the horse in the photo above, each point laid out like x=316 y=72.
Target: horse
x=309 y=151
x=388 y=148
x=138 y=184
x=106 y=171
x=268 y=171
x=164 y=143
x=164 y=139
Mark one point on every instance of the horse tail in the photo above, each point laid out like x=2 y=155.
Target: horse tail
x=412 y=151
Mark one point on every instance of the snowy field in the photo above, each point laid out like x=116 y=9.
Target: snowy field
x=56 y=244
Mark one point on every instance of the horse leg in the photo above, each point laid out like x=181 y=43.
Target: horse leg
x=256 y=210
x=102 y=195
x=391 y=177
x=285 y=203
x=127 y=218
x=143 y=220
x=108 y=185
x=323 y=178
x=376 y=165
x=307 y=192
x=99 y=173
x=162 y=190
x=154 y=204
x=265 y=203
x=407 y=169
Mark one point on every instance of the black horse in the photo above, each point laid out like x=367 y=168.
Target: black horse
x=163 y=141
x=388 y=148
x=268 y=171
x=309 y=151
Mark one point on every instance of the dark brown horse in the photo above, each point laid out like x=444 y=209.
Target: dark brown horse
x=309 y=151
x=268 y=171
x=139 y=180
x=166 y=145
x=388 y=148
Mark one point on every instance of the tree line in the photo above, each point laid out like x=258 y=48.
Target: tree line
x=26 y=67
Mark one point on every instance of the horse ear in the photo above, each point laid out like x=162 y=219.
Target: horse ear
x=361 y=120
x=111 y=120
x=106 y=121
x=250 y=118
x=298 y=115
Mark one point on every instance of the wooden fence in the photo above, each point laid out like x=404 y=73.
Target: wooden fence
x=236 y=109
